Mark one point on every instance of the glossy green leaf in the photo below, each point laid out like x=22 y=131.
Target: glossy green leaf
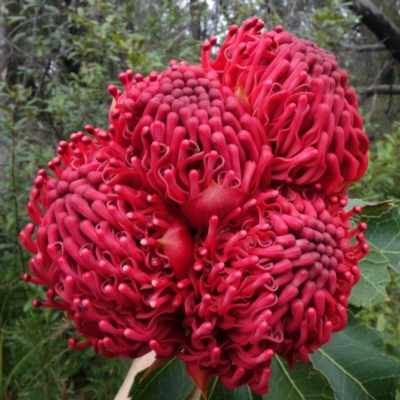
x=245 y=393
x=370 y=290
x=393 y=351
x=358 y=202
x=165 y=383
x=384 y=230
x=215 y=391
x=303 y=383
x=355 y=364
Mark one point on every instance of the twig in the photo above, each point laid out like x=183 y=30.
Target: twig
x=373 y=103
x=378 y=75
x=364 y=47
x=17 y=48
x=378 y=89
x=14 y=189
x=293 y=8
x=39 y=86
x=172 y=41
x=27 y=21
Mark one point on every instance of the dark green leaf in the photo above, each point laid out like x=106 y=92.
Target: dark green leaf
x=370 y=290
x=216 y=391
x=165 y=383
x=245 y=393
x=5 y=108
x=358 y=202
x=355 y=364
x=302 y=383
x=393 y=351
x=384 y=231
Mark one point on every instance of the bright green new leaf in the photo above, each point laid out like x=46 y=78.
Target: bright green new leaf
x=355 y=364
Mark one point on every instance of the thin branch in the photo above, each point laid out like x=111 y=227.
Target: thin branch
x=13 y=45
x=380 y=24
x=27 y=21
x=324 y=28
x=173 y=40
x=14 y=189
x=375 y=96
x=378 y=89
x=39 y=86
x=363 y=47
x=380 y=72
x=293 y=8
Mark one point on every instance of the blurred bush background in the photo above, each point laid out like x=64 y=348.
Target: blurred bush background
x=56 y=60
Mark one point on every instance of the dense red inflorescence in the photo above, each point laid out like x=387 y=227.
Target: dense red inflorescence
x=301 y=98
x=108 y=250
x=208 y=222
x=191 y=140
x=272 y=277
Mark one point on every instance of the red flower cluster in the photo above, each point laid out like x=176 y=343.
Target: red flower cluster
x=112 y=252
x=190 y=140
x=273 y=277
x=208 y=223
x=308 y=112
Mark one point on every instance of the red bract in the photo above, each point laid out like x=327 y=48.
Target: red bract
x=208 y=223
x=111 y=253
x=302 y=100
x=272 y=277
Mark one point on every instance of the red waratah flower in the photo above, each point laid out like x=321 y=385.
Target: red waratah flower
x=272 y=277
x=302 y=100
x=190 y=139
x=208 y=222
x=112 y=253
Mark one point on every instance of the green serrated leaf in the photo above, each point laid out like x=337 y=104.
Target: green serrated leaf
x=355 y=364
x=245 y=393
x=358 y=202
x=303 y=383
x=165 y=383
x=215 y=391
x=384 y=230
x=370 y=290
x=393 y=351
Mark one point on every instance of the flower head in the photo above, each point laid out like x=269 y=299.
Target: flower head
x=208 y=223
x=272 y=277
x=301 y=98
x=191 y=140
x=111 y=253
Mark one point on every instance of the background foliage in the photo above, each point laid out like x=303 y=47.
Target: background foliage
x=56 y=60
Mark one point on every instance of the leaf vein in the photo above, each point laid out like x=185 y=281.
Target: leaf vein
x=290 y=379
x=346 y=373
